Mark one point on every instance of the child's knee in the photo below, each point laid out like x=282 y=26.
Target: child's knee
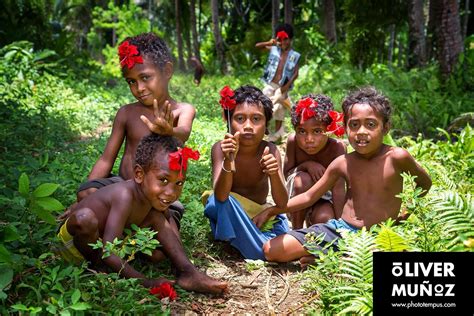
x=302 y=182
x=83 y=221
x=322 y=212
x=267 y=251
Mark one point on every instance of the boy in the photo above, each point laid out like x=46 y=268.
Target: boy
x=372 y=173
x=241 y=195
x=157 y=182
x=309 y=151
x=147 y=67
x=279 y=74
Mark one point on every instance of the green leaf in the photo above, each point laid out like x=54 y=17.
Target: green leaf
x=45 y=189
x=5 y=255
x=44 y=215
x=49 y=203
x=24 y=185
x=10 y=233
x=76 y=295
x=20 y=307
x=6 y=276
x=80 y=306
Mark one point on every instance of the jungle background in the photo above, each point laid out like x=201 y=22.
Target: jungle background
x=60 y=87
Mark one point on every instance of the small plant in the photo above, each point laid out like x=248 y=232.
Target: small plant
x=252 y=265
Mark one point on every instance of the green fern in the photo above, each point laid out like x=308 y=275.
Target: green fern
x=456 y=214
x=357 y=269
x=389 y=240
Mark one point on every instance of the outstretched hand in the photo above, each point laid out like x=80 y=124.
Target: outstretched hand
x=163 y=119
x=268 y=162
x=230 y=144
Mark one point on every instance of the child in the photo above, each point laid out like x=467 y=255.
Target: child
x=241 y=195
x=147 y=67
x=158 y=179
x=372 y=173
x=279 y=74
x=198 y=69
x=309 y=151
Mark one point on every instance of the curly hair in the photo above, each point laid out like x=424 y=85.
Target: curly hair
x=371 y=96
x=285 y=27
x=324 y=106
x=252 y=95
x=153 y=47
x=152 y=145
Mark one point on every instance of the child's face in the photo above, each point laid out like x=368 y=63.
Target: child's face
x=147 y=82
x=161 y=185
x=365 y=129
x=284 y=43
x=310 y=136
x=249 y=120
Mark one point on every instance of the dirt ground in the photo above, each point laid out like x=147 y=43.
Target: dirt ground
x=264 y=290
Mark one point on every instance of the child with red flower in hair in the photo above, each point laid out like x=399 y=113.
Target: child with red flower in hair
x=309 y=151
x=372 y=173
x=240 y=193
x=279 y=75
x=159 y=173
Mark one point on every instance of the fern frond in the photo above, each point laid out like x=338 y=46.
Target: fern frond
x=388 y=240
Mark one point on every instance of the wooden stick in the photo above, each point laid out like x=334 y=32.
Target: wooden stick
x=232 y=162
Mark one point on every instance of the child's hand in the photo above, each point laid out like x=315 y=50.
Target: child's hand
x=273 y=41
x=261 y=218
x=315 y=170
x=268 y=162
x=230 y=144
x=163 y=121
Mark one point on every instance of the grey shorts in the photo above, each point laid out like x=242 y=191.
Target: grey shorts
x=290 y=183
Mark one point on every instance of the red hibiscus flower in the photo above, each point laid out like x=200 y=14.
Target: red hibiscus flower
x=306 y=109
x=227 y=102
x=164 y=290
x=179 y=159
x=129 y=55
x=282 y=35
x=337 y=126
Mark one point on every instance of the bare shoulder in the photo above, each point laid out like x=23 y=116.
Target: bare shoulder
x=273 y=148
x=184 y=107
x=401 y=157
x=337 y=147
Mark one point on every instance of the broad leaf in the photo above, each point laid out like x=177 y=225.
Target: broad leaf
x=44 y=215
x=45 y=189
x=49 y=203
x=24 y=185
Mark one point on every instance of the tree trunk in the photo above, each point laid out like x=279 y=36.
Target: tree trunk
x=329 y=21
x=433 y=24
x=416 y=34
x=275 y=14
x=465 y=19
x=391 y=43
x=192 y=17
x=449 y=36
x=217 y=36
x=179 y=38
x=289 y=12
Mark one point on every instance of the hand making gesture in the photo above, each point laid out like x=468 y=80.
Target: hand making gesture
x=268 y=162
x=163 y=121
x=230 y=144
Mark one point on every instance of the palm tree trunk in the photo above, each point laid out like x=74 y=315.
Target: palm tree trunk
x=218 y=36
x=449 y=36
x=194 y=33
x=416 y=34
x=275 y=14
x=329 y=21
x=179 y=38
x=289 y=12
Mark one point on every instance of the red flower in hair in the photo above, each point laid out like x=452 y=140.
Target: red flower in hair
x=227 y=102
x=282 y=35
x=337 y=126
x=306 y=109
x=179 y=159
x=129 y=55
x=164 y=290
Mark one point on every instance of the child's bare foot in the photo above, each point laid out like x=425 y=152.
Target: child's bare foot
x=200 y=282
x=156 y=282
x=306 y=261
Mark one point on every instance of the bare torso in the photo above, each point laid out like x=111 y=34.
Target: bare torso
x=135 y=130
x=325 y=156
x=372 y=188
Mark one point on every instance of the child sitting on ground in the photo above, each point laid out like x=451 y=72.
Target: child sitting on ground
x=238 y=196
x=158 y=179
x=309 y=151
x=147 y=68
x=279 y=74
x=372 y=173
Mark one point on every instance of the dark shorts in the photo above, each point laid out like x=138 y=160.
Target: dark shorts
x=175 y=211
x=329 y=231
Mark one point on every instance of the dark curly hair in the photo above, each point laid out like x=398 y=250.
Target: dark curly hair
x=252 y=95
x=285 y=27
x=153 y=144
x=324 y=106
x=371 y=96
x=153 y=47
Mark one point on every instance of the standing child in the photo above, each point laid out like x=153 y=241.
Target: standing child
x=158 y=178
x=309 y=151
x=147 y=68
x=239 y=196
x=279 y=74
x=372 y=173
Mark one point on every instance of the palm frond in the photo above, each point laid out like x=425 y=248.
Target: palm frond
x=389 y=240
